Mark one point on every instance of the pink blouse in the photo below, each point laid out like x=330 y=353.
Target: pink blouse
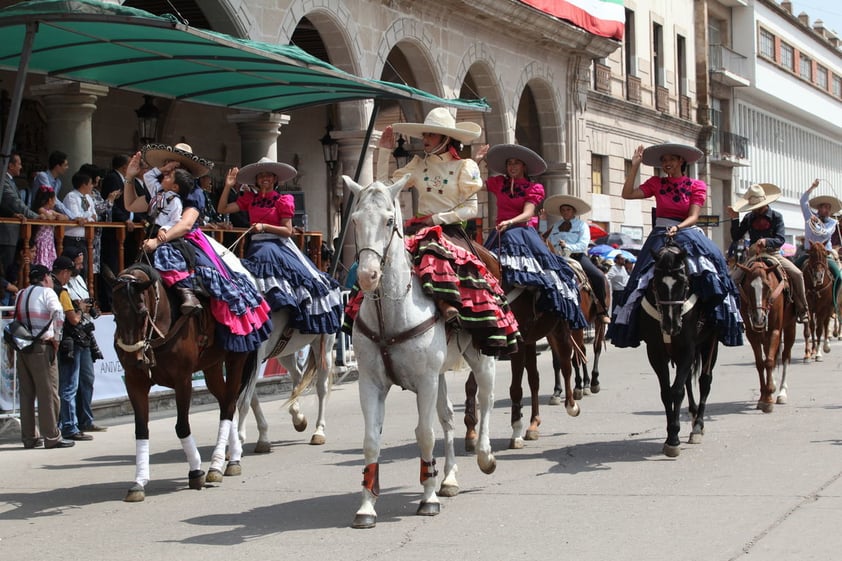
x=675 y=195
x=270 y=208
x=512 y=196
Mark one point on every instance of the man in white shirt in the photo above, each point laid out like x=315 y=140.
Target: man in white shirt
x=618 y=276
x=81 y=208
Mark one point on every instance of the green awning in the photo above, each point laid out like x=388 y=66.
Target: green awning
x=127 y=48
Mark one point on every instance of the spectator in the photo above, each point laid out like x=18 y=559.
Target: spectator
x=36 y=366
x=618 y=276
x=56 y=167
x=81 y=208
x=103 y=210
x=12 y=207
x=44 y=237
x=74 y=352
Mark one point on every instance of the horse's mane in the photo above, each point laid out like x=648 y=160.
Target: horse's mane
x=150 y=271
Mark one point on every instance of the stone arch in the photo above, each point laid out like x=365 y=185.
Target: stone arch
x=542 y=83
x=477 y=67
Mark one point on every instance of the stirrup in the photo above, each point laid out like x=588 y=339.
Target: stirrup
x=189 y=302
x=450 y=314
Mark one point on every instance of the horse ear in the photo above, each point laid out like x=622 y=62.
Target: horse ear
x=108 y=275
x=355 y=187
x=396 y=188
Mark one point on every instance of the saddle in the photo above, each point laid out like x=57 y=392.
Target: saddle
x=772 y=261
x=581 y=277
x=456 y=235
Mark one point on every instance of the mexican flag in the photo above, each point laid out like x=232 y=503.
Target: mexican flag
x=606 y=18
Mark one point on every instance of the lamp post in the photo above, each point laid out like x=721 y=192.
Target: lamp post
x=147 y=120
x=330 y=150
x=401 y=154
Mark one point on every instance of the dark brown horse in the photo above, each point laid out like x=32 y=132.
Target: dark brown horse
x=769 y=317
x=818 y=284
x=156 y=348
x=676 y=331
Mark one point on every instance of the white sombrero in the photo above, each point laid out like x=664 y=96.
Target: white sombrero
x=156 y=155
x=835 y=204
x=440 y=121
x=552 y=203
x=498 y=156
x=282 y=172
x=652 y=155
x=757 y=196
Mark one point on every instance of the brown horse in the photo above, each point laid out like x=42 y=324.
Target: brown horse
x=818 y=284
x=769 y=317
x=156 y=348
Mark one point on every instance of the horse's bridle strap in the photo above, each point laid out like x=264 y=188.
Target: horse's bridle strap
x=384 y=342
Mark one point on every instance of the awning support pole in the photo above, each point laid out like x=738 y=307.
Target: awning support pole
x=17 y=95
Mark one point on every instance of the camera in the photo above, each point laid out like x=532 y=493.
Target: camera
x=93 y=309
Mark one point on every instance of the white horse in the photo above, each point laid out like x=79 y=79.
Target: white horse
x=400 y=340
x=284 y=345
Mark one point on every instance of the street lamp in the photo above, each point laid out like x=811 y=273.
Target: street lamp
x=147 y=120
x=330 y=149
x=402 y=156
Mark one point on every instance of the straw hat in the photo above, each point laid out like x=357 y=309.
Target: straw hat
x=758 y=195
x=283 y=172
x=835 y=204
x=157 y=154
x=652 y=155
x=498 y=156
x=552 y=203
x=440 y=121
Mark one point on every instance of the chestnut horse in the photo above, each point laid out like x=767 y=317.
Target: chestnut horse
x=769 y=317
x=676 y=331
x=818 y=284
x=156 y=348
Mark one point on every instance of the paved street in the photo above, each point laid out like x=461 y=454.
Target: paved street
x=596 y=487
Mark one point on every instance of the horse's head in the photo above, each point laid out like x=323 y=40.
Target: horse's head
x=378 y=224
x=138 y=300
x=671 y=287
x=816 y=268
x=759 y=292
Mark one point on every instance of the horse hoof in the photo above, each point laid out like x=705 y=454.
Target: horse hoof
x=470 y=445
x=671 y=451
x=515 y=444
x=766 y=407
x=448 y=490
x=573 y=410
x=214 y=476
x=233 y=468
x=586 y=391
x=300 y=427
x=135 y=494
x=488 y=468
x=428 y=509
x=577 y=394
x=781 y=400
x=826 y=348
x=196 y=479
x=317 y=439
x=695 y=438
x=364 y=521
x=819 y=358
x=595 y=388
x=531 y=434
x=555 y=400
x=262 y=447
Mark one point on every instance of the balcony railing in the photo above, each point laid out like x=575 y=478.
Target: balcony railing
x=684 y=107
x=602 y=78
x=728 y=67
x=729 y=149
x=633 y=89
x=662 y=99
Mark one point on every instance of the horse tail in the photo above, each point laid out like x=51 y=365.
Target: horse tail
x=316 y=361
x=248 y=383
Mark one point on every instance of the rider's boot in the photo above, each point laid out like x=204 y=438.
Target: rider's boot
x=449 y=313
x=189 y=302
x=803 y=316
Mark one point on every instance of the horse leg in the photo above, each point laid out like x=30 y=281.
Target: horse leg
x=373 y=404
x=558 y=390
x=706 y=363
x=516 y=396
x=471 y=413
x=137 y=385
x=563 y=340
x=485 y=368
x=808 y=352
x=426 y=399
x=225 y=389
x=825 y=332
x=183 y=395
x=290 y=362
x=263 y=445
x=577 y=364
x=322 y=388
x=786 y=357
x=249 y=400
x=599 y=341
x=534 y=380
x=449 y=485
x=671 y=396
x=767 y=371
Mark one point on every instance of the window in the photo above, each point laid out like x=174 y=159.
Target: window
x=628 y=40
x=805 y=67
x=627 y=167
x=597 y=163
x=787 y=56
x=681 y=54
x=767 y=44
x=821 y=76
x=658 y=53
x=837 y=86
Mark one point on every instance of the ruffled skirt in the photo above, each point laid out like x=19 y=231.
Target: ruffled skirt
x=241 y=314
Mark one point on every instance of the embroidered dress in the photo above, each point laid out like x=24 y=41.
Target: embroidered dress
x=44 y=246
x=706 y=265
x=241 y=314
x=283 y=274
x=525 y=259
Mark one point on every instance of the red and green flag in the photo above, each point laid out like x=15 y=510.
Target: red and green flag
x=605 y=18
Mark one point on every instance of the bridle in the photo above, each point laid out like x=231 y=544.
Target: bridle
x=135 y=295
x=395 y=233
x=686 y=300
x=764 y=307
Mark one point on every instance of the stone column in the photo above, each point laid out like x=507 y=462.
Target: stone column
x=556 y=179
x=259 y=134
x=70 y=107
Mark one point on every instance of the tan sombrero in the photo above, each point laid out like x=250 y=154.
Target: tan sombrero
x=282 y=172
x=652 y=155
x=498 y=156
x=552 y=203
x=758 y=195
x=835 y=204
x=440 y=121
x=158 y=154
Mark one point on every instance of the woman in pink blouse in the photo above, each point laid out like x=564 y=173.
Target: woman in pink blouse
x=287 y=278
x=524 y=258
